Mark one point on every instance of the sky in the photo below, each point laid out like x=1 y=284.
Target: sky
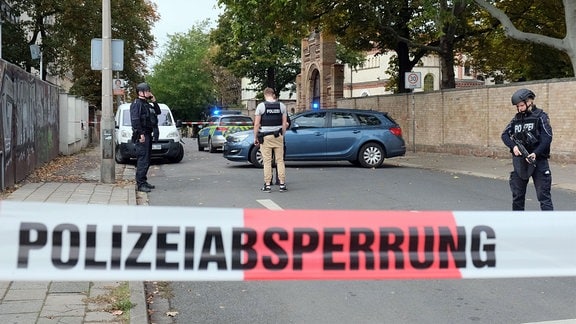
x=178 y=16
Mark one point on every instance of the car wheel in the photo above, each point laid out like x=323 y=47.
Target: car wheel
x=371 y=155
x=200 y=147
x=256 y=157
x=179 y=156
x=211 y=148
x=119 y=157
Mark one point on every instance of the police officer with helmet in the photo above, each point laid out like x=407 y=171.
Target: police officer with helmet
x=142 y=114
x=529 y=131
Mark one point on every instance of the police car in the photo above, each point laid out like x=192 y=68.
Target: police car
x=213 y=133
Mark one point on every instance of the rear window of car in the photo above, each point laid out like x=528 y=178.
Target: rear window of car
x=236 y=120
x=368 y=119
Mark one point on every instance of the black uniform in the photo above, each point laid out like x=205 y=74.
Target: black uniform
x=154 y=112
x=140 y=116
x=534 y=130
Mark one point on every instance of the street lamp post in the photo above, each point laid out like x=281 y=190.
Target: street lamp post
x=107 y=167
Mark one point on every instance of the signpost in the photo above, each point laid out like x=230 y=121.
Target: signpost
x=413 y=80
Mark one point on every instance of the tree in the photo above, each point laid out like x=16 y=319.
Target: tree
x=504 y=58
x=410 y=28
x=249 y=49
x=566 y=44
x=65 y=28
x=183 y=78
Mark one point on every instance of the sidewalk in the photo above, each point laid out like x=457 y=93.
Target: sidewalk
x=73 y=302
x=563 y=174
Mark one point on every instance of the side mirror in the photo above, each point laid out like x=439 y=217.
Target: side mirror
x=178 y=123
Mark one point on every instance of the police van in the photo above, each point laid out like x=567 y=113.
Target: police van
x=169 y=144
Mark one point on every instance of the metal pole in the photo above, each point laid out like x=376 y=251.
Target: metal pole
x=413 y=123
x=108 y=166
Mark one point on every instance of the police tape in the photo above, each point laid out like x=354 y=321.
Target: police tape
x=43 y=241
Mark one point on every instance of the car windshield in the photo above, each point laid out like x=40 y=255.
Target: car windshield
x=236 y=120
x=165 y=118
x=126 y=118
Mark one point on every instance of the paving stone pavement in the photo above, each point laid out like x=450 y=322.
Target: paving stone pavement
x=40 y=302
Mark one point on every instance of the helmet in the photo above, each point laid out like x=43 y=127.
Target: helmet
x=522 y=95
x=142 y=87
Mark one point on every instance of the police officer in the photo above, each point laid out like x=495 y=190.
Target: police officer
x=531 y=128
x=270 y=124
x=142 y=126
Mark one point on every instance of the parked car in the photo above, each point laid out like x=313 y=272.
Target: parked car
x=169 y=144
x=363 y=137
x=213 y=134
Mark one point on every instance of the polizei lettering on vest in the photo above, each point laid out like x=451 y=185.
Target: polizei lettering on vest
x=138 y=247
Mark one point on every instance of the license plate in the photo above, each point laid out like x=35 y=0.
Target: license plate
x=156 y=146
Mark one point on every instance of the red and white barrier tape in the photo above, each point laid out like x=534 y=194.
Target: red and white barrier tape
x=42 y=241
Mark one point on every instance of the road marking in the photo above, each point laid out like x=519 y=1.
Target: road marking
x=268 y=203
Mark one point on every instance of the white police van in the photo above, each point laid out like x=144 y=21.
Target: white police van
x=168 y=147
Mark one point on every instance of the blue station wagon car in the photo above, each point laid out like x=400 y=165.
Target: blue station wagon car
x=363 y=137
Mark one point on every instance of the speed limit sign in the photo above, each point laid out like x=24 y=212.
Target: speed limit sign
x=413 y=80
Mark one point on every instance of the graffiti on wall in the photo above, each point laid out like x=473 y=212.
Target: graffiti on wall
x=29 y=121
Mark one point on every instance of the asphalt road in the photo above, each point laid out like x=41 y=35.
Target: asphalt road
x=208 y=180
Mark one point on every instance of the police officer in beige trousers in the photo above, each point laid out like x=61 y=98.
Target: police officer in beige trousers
x=270 y=122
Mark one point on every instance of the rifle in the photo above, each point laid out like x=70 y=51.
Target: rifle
x=523 y=150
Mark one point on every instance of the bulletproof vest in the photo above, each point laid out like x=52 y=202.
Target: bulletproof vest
x=526 y=128
x=272 y=115
x=145 y=115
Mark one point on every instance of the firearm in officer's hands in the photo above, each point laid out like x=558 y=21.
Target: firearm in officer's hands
x=523 y=150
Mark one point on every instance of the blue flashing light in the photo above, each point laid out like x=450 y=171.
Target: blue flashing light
x=315 y=105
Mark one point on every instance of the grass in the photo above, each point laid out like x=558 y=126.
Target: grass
x=116 y=301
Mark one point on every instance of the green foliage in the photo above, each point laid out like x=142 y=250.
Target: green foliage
x=183 y=76
x=497 y=55
x=248 y=46
x=64 y=29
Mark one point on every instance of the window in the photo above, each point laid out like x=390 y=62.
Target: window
x=342 y=119
x=312 y=120
x=368 y=120
x=240 y=120
x=429 y=82
x=126 y=118
x=165 y=119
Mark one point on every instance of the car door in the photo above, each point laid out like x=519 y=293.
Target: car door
x=204 y=133
x=306 y=139
x=342 y=136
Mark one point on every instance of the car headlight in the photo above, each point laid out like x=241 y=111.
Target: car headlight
x=237 y=138
x=126 y=134
x=173 y=134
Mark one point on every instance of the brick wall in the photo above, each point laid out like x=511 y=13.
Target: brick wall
x=469 y=121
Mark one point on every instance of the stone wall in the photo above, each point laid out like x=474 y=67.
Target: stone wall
x=470 y=121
